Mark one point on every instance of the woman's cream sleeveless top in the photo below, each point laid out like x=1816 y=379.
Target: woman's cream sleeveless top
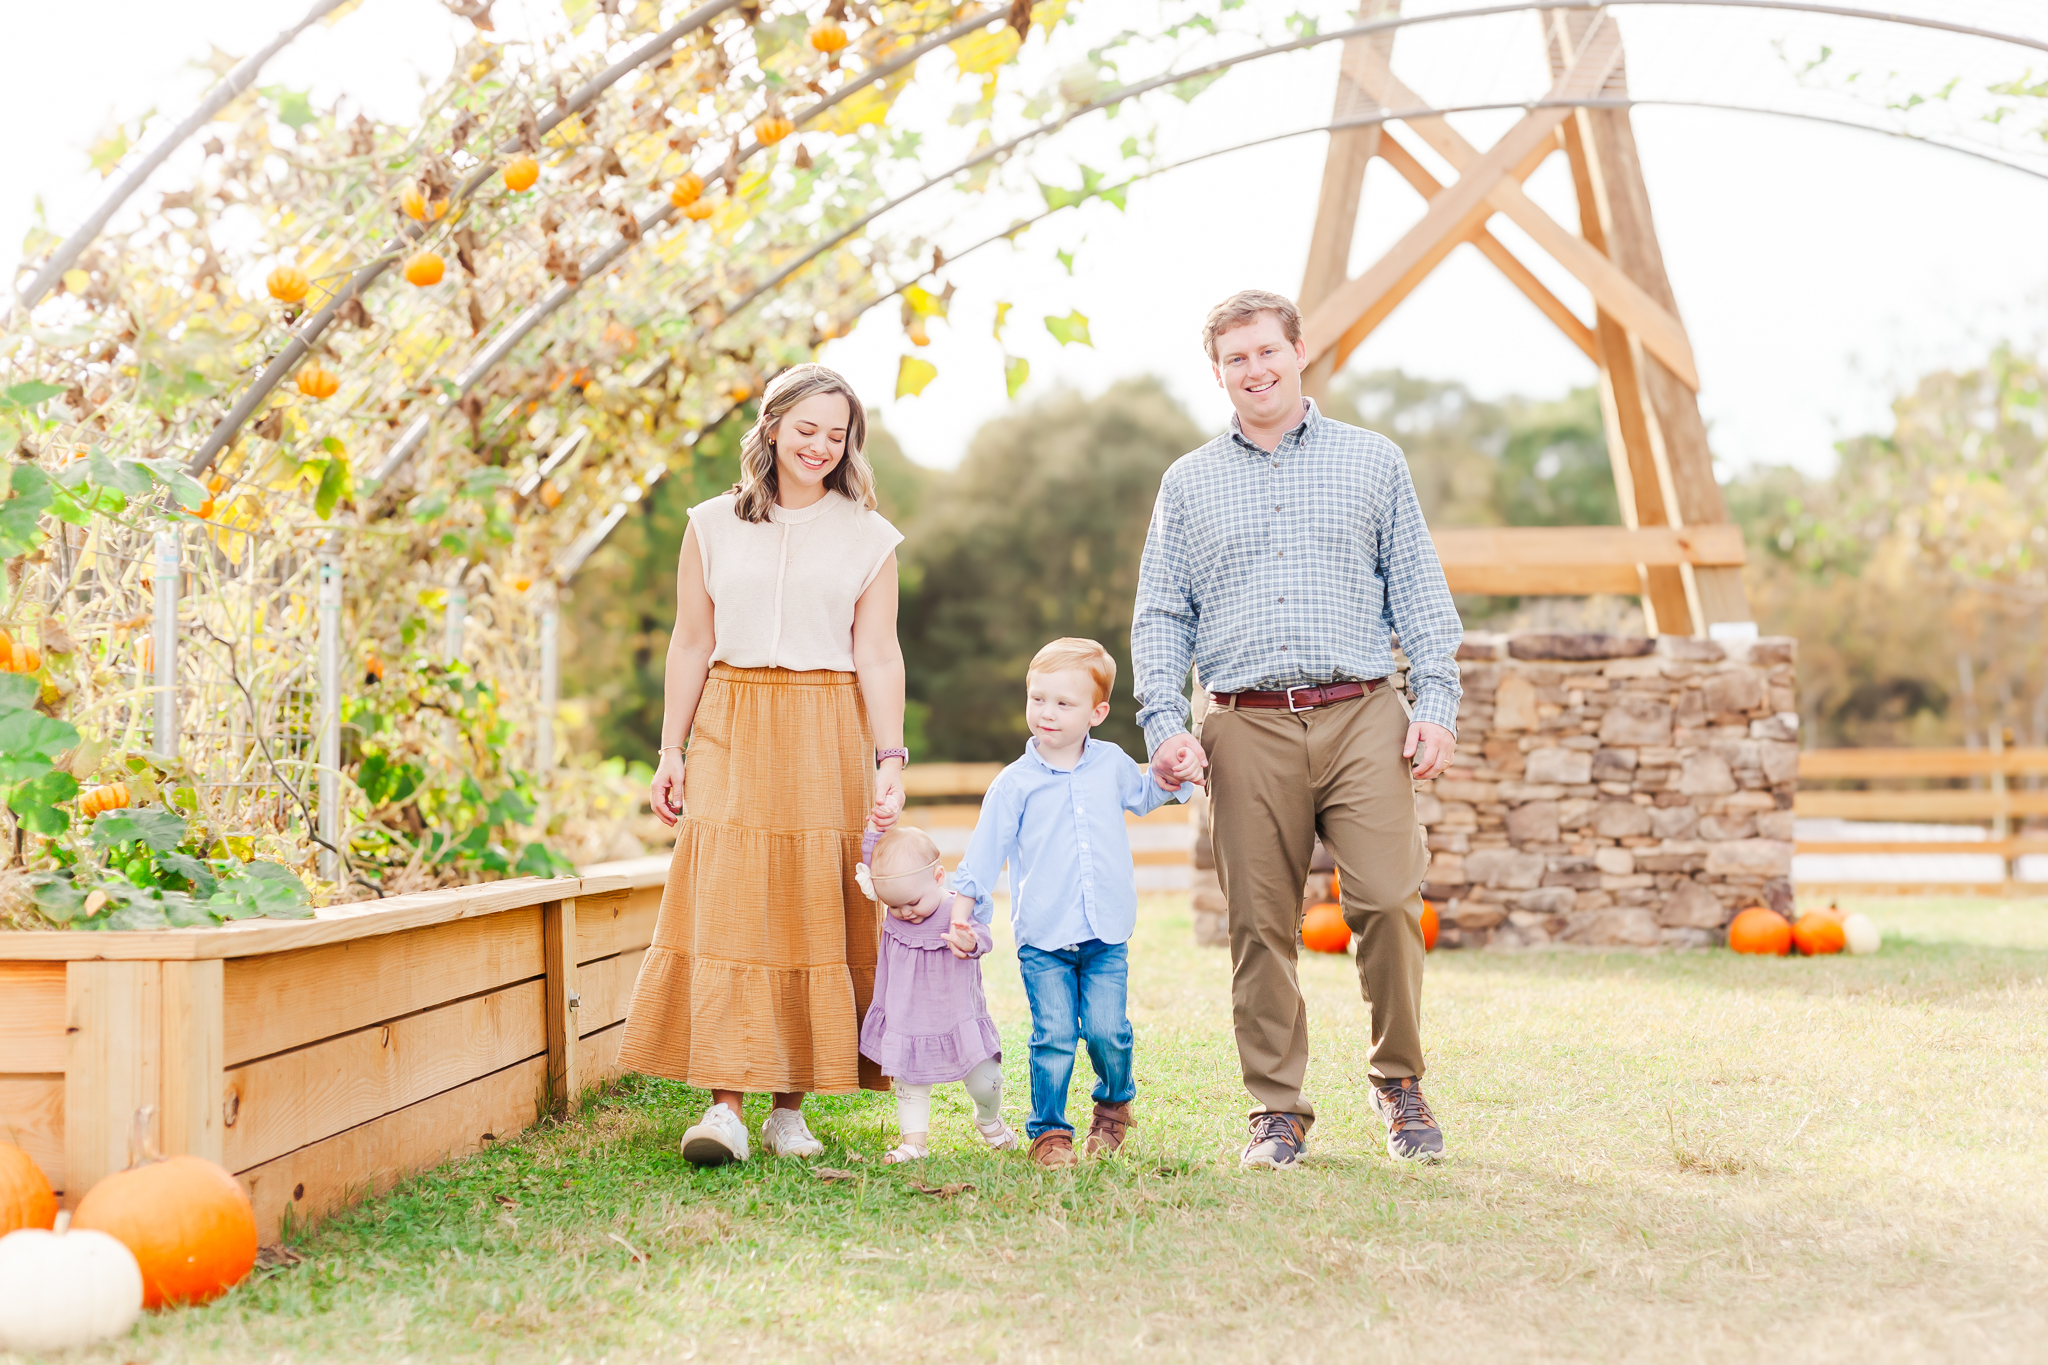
x=783 y=590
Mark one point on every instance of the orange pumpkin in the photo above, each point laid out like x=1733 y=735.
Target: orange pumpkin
x=687 y=190
x=1761 y=931
x=113 y=796
x=740 y=393
x=1323 y=929
x=1818 y=933
x=772 y=128
x=204 y=510
x=187 y=1220
x=21 y=658
x=373 y=669
x=288 y=284
x=1430 y=925
x=424 y=269
x=315 y=382
x=520 y=174
x=215 y=484
x=25 y=1197
x=550 y=493
x=827 y=36
x=699 y=211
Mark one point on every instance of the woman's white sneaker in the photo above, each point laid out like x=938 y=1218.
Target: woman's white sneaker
x=717 y=1138
x=786 y=1134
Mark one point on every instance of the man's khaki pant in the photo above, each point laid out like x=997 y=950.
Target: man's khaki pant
x=1277 y=779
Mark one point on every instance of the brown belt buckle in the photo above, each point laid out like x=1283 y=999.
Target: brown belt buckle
x=1291 y=707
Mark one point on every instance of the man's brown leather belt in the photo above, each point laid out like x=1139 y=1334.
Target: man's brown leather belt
x=1296 y=698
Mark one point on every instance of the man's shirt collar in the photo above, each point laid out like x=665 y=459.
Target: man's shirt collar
x=1297 y=434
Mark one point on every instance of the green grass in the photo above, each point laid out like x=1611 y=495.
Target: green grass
x=1656 y=1157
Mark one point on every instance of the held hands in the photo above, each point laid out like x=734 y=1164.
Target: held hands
x=665 y=793
x=1180 y=760
x=888 y=795
x=1431 y=746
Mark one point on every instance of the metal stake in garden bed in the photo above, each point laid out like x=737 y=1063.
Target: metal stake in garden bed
x=164 y=641
x=330 y=713
x=550 y=686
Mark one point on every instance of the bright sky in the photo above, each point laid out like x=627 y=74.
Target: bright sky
x=1819 y=270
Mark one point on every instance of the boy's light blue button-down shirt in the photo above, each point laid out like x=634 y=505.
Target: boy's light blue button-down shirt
x=1062 y=833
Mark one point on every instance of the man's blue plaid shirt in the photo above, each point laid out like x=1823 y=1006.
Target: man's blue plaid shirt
x=1287 y=569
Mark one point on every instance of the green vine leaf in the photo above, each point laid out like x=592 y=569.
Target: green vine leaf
x=1071 y=330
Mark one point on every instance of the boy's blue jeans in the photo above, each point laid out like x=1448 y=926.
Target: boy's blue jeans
x=1076 y=993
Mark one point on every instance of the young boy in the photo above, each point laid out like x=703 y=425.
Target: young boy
x=1056 y=816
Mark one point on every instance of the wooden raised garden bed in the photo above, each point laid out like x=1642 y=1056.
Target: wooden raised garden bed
x=322 y=1060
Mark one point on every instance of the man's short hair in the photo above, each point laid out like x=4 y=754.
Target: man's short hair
x=1072 y=652
x=1241 y=308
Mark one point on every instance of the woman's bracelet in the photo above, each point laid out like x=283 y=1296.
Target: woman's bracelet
x=669 y=749
x=901 y=754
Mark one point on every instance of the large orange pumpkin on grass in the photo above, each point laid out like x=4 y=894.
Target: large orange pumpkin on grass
x=1430 y=924
x=1818 y=933
x=1323 y=929
x=187 y=1220
x=25 y=1197
x=1761 y=931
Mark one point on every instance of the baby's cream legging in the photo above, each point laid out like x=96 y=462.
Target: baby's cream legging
x=984 y=1086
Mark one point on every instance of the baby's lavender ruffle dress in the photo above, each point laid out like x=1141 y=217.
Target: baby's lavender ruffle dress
x=929 y=1022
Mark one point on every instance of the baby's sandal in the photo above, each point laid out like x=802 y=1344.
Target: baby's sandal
x=905 y=1150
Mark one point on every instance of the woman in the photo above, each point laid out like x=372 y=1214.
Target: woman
x=784 y=674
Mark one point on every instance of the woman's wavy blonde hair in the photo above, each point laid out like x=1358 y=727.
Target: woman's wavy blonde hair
x=852 y=476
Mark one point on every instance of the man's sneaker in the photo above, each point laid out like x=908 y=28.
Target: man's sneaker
x=1279 y=1141
x=1054 y=1149
x=1412 y=1132
x=716 y=1138
x=1106 y=1132
x=786 y=1134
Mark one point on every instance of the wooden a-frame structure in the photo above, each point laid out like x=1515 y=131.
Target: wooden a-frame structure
x=1678 y=551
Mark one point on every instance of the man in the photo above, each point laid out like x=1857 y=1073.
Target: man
x=1282 y=557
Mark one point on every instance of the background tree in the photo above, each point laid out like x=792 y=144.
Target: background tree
x=1036 y=535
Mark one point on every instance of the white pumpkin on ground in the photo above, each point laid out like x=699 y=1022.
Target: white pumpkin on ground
x=61 y=1289
x=1860 y=935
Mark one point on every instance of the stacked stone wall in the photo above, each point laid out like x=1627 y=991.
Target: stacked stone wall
x=1608 y=790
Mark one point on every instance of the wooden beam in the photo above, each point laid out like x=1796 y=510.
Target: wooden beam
x=34 y=1106
x=1933 y=806
x=1383 y=287
x=114 y=1011
x=189 y=1115
x=1428 y=186
x=1616 y=546
x=562 y=1004
x=32 y=1018
x=2004 y=848
x=1653 y=321
x=1336 y=222
x=1630 y=447
x=948 y=779
x=609 y=925
x=1543 y=580
x=1820 y=764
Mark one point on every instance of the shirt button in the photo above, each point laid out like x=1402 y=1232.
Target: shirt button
x=1283 y=649
x=1281 y=598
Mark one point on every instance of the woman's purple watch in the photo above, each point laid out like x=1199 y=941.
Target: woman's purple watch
x=880 y=754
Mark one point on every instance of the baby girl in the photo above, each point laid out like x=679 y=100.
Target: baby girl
x=929 y=1023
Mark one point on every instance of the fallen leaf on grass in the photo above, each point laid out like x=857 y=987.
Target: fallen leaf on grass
x=639 y=1256
x=829 y=1173
x=946 y=1191
x=271 y=1256
x=507 y=1200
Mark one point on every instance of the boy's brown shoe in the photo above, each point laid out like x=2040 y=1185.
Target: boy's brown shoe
x=1054 y=1149
x=1106 y=1133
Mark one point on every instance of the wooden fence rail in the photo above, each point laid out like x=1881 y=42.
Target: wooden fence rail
x=1995 y=802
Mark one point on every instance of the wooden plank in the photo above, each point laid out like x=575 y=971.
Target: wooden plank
x=327 y=1176
x=1562 y=546
x=335 y=924
x=189 y=1114
x=1611 y=286
x=1817 y=764
x=948 y=779
x=285 y=1000
x=1550 y=305
x=114 y=1011
x=32 y=1016
x=1931 y=807
x=2004 y=848
x=2001 y=890
x=1574 y=580
x=608 y=925
x=598 y=1056
x=32 y=1118
x=1350 y=151
x=287 y=1101
x=607 y=989
x=561 y=1003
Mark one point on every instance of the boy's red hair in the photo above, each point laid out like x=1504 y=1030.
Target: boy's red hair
x=1087 y=655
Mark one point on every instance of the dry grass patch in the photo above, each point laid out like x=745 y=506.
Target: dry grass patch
x=1679 y=1157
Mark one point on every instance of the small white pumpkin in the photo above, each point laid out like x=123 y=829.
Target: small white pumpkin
x=1860 y=935
x=61 y=1289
